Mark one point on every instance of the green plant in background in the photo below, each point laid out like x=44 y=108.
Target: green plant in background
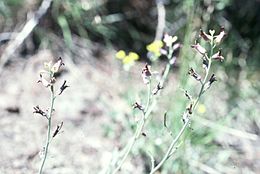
x=48 y=79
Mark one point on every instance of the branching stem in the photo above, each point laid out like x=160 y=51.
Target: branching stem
x=173 y=143
x=48 y=139
x=146 y=113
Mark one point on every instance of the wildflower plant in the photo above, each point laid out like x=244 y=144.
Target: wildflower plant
x=209 y=55
x=48 y=80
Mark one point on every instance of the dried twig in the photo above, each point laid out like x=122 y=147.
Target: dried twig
x=22 y=35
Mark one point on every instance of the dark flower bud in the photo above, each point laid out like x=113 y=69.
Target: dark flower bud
x=144 y=134
x=157 y=89
x=187 y=95
x=57 y=130
x=194 y=74
x=38 y=110
x=205 y=63
x=189 y=108
x=146 y=74
x=63 y=87
x=138 y=106
x=212 y=79
x=53 y=80
x=205 y=36
x=218 y=56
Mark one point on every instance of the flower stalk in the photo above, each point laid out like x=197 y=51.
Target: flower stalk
x=48 y=139
x=47 y=79
x=150 y=101
x=187 y=114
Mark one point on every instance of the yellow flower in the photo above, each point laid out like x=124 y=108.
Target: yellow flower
x=201 y=108
x=128 y=60
x=120 y=54
x=133 y=55
x=155 y=47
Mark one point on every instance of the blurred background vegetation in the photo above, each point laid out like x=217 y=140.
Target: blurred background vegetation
x=225 y=137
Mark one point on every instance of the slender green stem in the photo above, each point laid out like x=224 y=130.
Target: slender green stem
x=173 y=143
x=166 y=156
x=146 y=113
x=48 y=139
x=138 y=131
x=148 y=96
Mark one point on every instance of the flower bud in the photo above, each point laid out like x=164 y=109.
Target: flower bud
x=138 y=106
x=120 y=54
x=169 y=40
x=146 y=74
x=55 y=68
x=57 y=130
x=47 y=65
x=189 y=108
x=63 y=87
x=205 y=63
x=199 y=48
x=212 y=79
x=209 y=83
x=43 y=81
x=221 y=35
x=218 y=56
x=38 y=110
x=157 y=89
x=194 y=74
x=205 y=36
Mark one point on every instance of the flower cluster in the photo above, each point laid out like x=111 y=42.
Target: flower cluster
x=164 y=47
x=127 y=59
x=155 y=48
x=47 y=76
x=208 y=56
x=214 y=40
